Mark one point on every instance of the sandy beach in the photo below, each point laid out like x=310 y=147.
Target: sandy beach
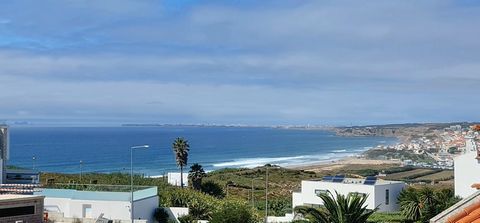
x=338 y=164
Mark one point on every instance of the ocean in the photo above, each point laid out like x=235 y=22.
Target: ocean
x=107 y=149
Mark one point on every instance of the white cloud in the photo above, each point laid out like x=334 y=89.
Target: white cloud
x=314 y=61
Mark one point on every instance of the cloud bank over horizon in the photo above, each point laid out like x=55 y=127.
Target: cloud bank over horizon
x=249 y=62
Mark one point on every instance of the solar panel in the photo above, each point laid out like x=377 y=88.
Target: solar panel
x=338 y=178
x=370 y=180
x=327 y=178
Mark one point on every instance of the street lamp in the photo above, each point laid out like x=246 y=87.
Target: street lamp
x=266 y=194
x=253 y=190
x=81 y=165
x=33 y=162
x=131 y=176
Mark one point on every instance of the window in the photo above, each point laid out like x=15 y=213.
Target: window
x=87 y=211
x=357 y=194
x=318 y=192
x=387 y=196
x=16 y=211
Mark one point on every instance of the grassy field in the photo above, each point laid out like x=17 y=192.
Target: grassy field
x=410 y=174
x=439 y=176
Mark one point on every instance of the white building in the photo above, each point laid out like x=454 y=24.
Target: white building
x=89 y=205
x=382 y=194
x=174 y=179
x=4 y=151
x=467 y=168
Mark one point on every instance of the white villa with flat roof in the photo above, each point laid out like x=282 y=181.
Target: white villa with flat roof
x=381 y=193
x=109 y=201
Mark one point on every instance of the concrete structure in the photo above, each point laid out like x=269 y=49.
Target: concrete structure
x=176 y=212
x=106 y=202
x=281 y=219
x=466 y=210
x=4 y=151
x=382 y=194
x=21 y=208
x=174 y=179
x=467 y=168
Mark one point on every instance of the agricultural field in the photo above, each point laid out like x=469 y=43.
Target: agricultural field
x=410 y=174
x=439 y=176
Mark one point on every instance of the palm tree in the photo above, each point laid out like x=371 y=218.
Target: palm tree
x=423 y=204
x=180 y=148
x=338 y=209
x=196 y=174
x=410 y=204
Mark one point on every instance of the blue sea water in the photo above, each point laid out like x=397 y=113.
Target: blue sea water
x=107 y=149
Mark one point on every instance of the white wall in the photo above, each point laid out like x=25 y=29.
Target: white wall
x=111 y=209
x=376 y=193
x=467 y=172
x=174 y=179
x=176 y=212
x=394 y=192
x=145 y=208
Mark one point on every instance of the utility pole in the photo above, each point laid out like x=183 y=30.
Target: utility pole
x=253 y=198
x=266 y=194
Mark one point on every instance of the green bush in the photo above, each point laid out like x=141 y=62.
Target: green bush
x=201 y=206
x=213 y=189
x=387 y=218
x=233 y=212
x=186 y=219
x=161 y=215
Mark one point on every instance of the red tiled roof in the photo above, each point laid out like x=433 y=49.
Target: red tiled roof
x=470 y=214
x=476 y=186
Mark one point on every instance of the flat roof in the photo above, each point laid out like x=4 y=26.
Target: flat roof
x=74 y=194
x=361 y=181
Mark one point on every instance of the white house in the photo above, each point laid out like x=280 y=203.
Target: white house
x=381 y=193
x=107 y=202
x=467 y=168
x=174 y=179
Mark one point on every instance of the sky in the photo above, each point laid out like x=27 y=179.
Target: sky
x=239 y=62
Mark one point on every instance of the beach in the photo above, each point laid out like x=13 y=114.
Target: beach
x=343 y=163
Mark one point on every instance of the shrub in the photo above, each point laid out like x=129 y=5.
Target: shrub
x=186 y=219
x=161 y=215
x=213 y=189
x=233 y=212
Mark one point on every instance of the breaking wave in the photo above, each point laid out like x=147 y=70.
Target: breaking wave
x=282 y=161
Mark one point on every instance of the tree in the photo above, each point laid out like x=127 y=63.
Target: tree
x=196 y=174
x=213 y=189
x=423 y=204
x=232 y=212
x=161 y=215
x=338 y=209
x=180 y=148
x=410 y=204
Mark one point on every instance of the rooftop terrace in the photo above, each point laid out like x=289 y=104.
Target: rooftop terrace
x=97 y=192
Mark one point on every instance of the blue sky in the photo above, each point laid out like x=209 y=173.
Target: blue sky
x=249 y=62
